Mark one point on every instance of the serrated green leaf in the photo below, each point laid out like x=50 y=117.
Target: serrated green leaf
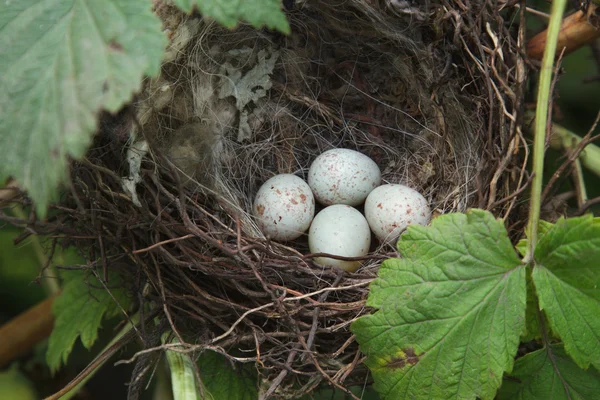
x=449 y=314
x=258 y=13
x=549 y=374
x=571 y=250
x=61 y=62
x=79 y=311
x=221 y=381
x=567 y=279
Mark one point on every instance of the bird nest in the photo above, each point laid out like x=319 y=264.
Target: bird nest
x=429 y=91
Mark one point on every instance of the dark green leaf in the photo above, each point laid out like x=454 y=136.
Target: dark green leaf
x=549 y=374
x=532 y=324
x=222 y=381
x=79 y=311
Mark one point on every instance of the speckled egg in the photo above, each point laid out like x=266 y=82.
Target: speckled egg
x=340 y=230
x=389 y=209
x=284 y=207
x=343 y=176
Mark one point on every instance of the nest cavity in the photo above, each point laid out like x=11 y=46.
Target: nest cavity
x=429 y=90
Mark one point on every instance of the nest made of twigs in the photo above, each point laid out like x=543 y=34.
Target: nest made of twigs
x=430 y=92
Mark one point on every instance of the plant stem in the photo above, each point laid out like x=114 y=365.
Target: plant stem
x=541 y=123
x=183 y=377
x=162 y=387
x=562 y=138
x=575 y=32
x=579 y=180
x=24 y=331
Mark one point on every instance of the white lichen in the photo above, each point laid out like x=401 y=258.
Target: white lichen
x=247 y=88
x=135 y=154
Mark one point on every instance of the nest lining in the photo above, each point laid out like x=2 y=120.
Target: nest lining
x=431 y=93
x=329 y=88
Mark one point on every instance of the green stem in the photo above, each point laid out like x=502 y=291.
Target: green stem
x=541 y=122
x=162 y=386
x=183 y=377
x=562 y=138
x=580 y=187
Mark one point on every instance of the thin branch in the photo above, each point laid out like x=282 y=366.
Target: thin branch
x=155 y=245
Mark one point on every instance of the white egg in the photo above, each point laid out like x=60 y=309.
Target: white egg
x=342 y=231
x=343 y=176
x=389 y=209
x=284 y=207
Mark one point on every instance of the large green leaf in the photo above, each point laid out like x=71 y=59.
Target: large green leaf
x=567 y=280
x=61 y=62
x=449 y=314
x=549 y=374
x=79 y=311
x=228 y=12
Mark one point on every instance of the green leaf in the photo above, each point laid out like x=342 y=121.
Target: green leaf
x=567 y=280
x=532 y=324
x=543 y=228
x=449 y=314
x=79 y=311
x=61 y=62
x=549 y=374
x=228 y=12
x=223 y=382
